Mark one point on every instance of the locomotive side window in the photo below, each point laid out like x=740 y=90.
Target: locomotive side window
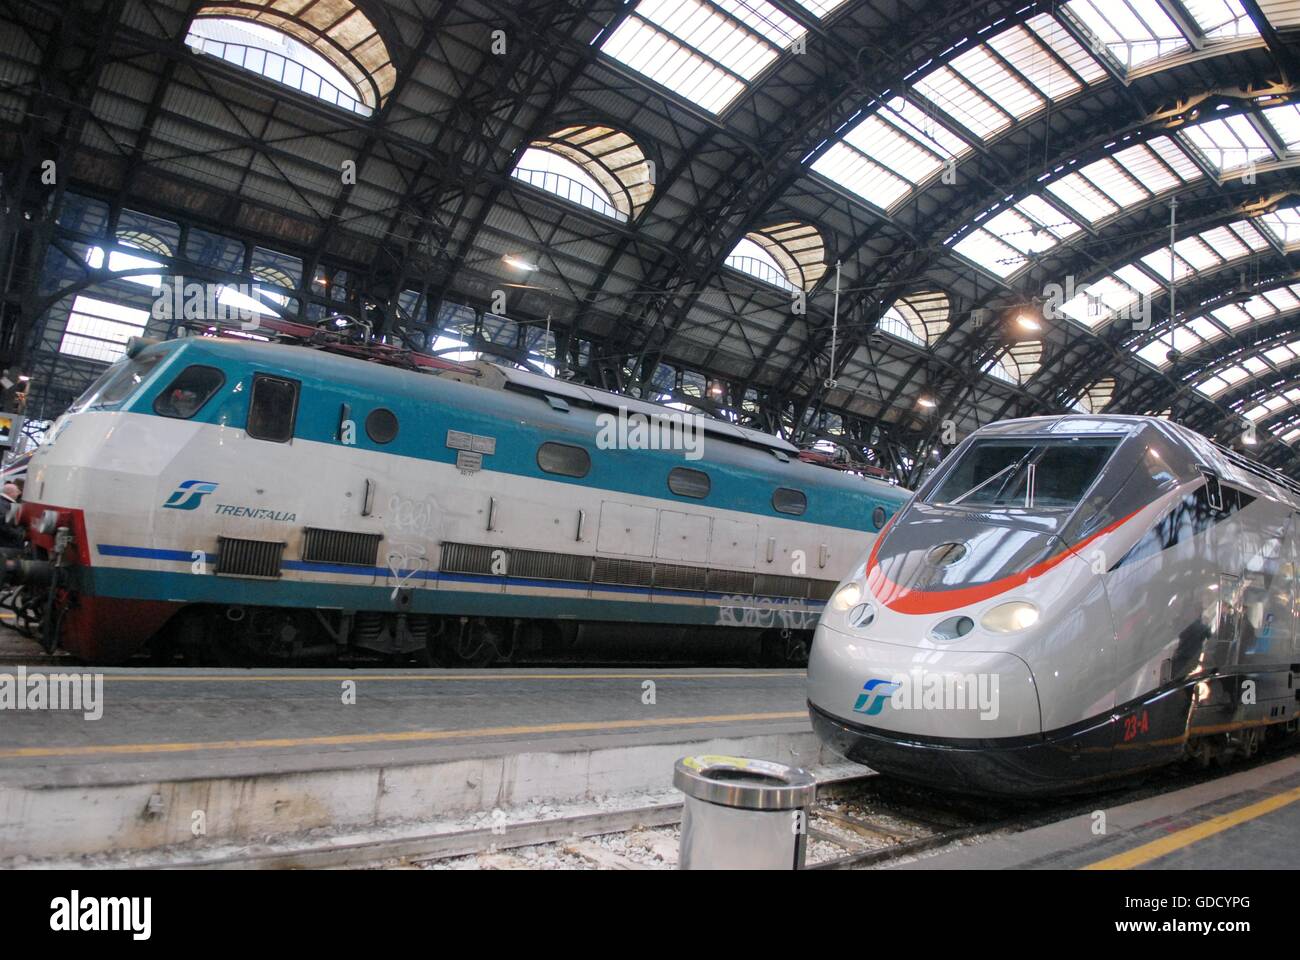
x=186 y=395
x=272 y=408
x=381 y=425
x=787 y=500
x=686 y=482
x=564 y=459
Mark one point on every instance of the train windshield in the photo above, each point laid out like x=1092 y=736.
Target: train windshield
x=117 y=382
x=1029 y=473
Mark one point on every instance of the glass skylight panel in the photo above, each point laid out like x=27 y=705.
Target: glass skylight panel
x=1131 y=176
x=1154 y=353
x=705 y=52
x=1285 y=121
x=1025 y=53
x=991 y=77
x=1134 y=31
x=925 y=129
x=1211 y=387
x=1147 y=164
x=853 y=171
x=1280 y=354
x=1254 y=365
x=953 y=95
x=890 y=152
x=1221 y=18
x=1176 y=157
x=1205 y=328
x=1005 y=241
x=1233 y=375
x=819 y=8
x=1083 y=197
x=99 y=329
x=1138 y=279
x=1283 y=299
x=1158 y=263
x=1064 y=46
x=1198 y=253
x=1113 y=178
x=1284 y=225
x=1229 y=143
x=1232 y=316
x=986 y=250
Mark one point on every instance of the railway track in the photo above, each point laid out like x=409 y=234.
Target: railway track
x=855 y=823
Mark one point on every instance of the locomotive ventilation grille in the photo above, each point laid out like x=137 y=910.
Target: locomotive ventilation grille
x=340 y=546
x=249 y=558
x=540 y=565
x=681 y=578
x=633 y=572
x=544 y=565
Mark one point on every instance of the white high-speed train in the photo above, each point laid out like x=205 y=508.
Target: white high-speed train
x=1067 y=600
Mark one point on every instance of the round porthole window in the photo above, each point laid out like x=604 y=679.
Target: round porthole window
x=878 y=517
x=381 y=425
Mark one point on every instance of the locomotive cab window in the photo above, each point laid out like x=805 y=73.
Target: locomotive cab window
x=273 y=408
x=564 y=459
x=787 y=500
x=186 y=395
x=686 y=482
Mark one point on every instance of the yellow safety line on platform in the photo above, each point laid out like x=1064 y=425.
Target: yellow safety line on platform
x=1186 y=837
x=410 y=736
x=454 y=678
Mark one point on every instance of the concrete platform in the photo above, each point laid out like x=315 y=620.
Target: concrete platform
x=264 y=752
x=1242 y=821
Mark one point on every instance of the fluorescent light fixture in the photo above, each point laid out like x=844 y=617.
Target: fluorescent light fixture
x=519 y=263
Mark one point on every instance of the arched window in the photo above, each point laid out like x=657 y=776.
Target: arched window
x=791 y=256
x=331 y=51
x=1097 y=397
x=595 y=167
x=1016 y=364
x=919 y=318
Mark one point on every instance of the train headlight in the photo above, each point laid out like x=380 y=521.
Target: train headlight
x=847 y=596
x=954 y=628
x=1010 y=617
x=48 y=523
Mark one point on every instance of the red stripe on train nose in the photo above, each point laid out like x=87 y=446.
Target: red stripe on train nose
x=906 y=600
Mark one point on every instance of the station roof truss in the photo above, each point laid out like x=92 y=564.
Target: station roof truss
x=823 y=219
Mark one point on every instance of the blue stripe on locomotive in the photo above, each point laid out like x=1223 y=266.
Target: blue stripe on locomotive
x=743 y=478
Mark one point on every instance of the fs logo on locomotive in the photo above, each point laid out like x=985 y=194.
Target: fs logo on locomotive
x=189 y=494
x=875 y=692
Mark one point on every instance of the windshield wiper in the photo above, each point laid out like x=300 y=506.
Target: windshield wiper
x=984 y=483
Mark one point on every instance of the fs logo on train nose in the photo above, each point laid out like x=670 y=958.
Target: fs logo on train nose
x=873 y=696
x=189 y=494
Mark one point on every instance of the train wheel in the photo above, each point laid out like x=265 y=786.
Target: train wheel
x=476 y=644
x=783 y=648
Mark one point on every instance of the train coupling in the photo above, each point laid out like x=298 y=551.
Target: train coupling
x=32 y=573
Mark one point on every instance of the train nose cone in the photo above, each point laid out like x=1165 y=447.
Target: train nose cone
x=926 y=691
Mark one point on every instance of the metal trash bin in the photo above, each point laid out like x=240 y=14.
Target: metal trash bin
x=742 y=814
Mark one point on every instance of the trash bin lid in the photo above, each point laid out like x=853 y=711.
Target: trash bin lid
x=743 y=783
